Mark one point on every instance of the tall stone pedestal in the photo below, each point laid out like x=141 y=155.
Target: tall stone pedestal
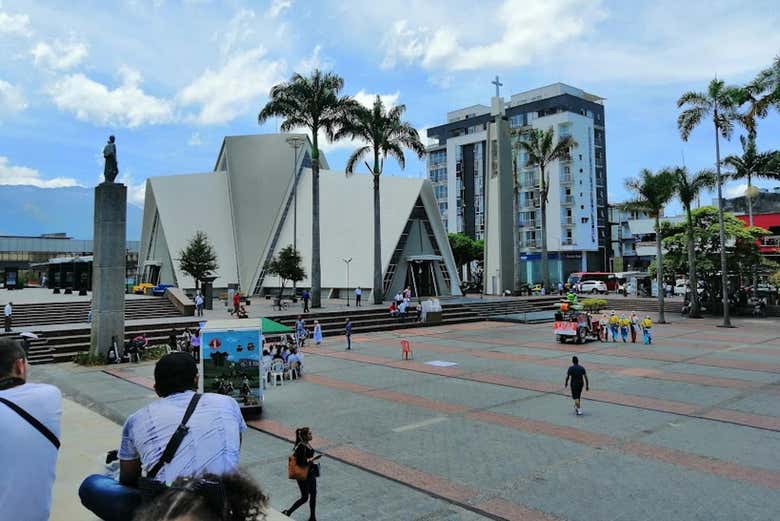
x=108 y=267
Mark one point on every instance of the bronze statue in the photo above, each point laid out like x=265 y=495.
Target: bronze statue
x=111 y=169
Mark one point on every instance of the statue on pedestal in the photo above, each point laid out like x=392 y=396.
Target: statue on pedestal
x=111 y=170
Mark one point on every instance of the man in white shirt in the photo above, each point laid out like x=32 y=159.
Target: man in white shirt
x=211 y=444
x=8 y=312
x=28 y=452
x=358 y=295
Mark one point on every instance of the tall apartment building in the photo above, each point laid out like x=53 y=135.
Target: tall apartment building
x=577 y=216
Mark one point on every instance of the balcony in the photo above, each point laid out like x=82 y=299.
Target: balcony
x=567 y=242
x=567 y=200
x=567 y=178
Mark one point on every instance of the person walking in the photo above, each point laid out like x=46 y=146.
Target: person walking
x=306 y=458
x=173 y=338
x=305 y=296
x=9 y=316
x=647 y=330
x=614 y=325
x=625 y=324
x=199 y=304
x=317 y=333
x=236 y=302
x=348 y=333
x=560 y=288
x=577 y=374
x=634 y=327
x=300 y=331
x=358 y=294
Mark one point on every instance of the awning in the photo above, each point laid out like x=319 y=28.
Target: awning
x=271 y=327
x=153 y=263
x=423 y=257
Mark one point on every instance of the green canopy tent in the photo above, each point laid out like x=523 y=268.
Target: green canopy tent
x=271 y=327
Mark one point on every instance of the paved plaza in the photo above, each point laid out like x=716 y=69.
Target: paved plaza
x=688 y=428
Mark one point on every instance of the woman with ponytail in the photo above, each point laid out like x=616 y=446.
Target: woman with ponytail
x=305 y=457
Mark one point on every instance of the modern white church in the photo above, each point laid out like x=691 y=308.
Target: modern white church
x=258 y=199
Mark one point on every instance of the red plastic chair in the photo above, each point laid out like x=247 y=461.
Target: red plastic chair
x=406 y=350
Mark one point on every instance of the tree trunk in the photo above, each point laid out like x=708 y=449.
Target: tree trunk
x=316 y=275
x=724 y=276
x=750 y=216
x=692 y=282
x=659 y=270
x=378 y=289
x=543 y=205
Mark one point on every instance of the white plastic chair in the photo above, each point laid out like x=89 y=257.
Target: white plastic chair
x=277 y=371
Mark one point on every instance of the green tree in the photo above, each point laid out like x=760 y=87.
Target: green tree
x=198 y=259
x=761 y=94
x=543 y=149
x=752 y=164
x=688 y=188
x=312 y=102
x=464 y=250
x=287 y=265
x=720 y=103
x=742 y=253
x=386 y=135
x=651 y=194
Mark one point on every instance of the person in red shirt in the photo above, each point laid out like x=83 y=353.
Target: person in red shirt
x=236 y=302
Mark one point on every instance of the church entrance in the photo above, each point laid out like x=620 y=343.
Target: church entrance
x=421 y=278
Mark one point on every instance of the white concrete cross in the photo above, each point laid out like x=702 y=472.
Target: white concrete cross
x=497 y=84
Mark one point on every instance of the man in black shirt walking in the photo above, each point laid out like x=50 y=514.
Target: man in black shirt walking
x=577 y=373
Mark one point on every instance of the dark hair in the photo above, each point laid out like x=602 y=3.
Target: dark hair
x=301 y=435
x=175 y=373
x=575 y=360
x=11 y=350
x=230 y=497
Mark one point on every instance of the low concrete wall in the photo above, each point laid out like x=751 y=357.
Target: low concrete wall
x=183 y=303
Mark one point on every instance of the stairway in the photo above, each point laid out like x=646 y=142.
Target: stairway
x=74 y=312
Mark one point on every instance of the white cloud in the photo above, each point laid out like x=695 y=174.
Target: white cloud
x=526 y=30
x=367 y=99
x=136 y=192
x=315 y=61
x=22 y=175
x=240 y=28
x=11 y=99
x=195 y=140
x=277 y=6
x=59 y=55
x=731 y=192
x=127 y=105
x=15 y=24
x=235 y=89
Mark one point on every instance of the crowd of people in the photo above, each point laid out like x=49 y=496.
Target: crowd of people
x=613 y=327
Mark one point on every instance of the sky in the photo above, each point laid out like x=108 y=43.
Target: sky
x=171 y=78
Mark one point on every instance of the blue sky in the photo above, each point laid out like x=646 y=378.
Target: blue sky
x=171 y=78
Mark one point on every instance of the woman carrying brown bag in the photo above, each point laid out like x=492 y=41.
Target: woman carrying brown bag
x=308 y=472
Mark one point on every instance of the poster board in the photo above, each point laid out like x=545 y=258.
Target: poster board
x=230 y=354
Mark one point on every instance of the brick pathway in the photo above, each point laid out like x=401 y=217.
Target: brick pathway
x=687 y=428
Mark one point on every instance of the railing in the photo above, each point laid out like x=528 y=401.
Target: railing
x=566 y=178
x=567 y=199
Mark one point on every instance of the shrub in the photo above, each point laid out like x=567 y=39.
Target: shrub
x=594 y=304
x=86 y=359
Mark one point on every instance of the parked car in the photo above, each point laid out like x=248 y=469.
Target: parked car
x=593 y=286
x=680 y=289
x=140 y=289
x=159 y=289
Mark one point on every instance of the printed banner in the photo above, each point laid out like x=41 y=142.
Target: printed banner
x=230 y=364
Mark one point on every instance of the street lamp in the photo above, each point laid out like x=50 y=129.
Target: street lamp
x=296 y=142
x=347 y=261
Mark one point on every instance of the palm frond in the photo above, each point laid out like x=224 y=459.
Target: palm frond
x=356 y=156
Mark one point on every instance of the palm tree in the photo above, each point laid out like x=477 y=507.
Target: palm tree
x=652 y=192
x=385 y=135
x=688 y=189
x=312 y=102
x=543 y=150
x=720 y=102
x=752 y=164
x=761 y=94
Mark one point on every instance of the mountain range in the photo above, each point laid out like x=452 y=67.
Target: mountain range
x=30 y=210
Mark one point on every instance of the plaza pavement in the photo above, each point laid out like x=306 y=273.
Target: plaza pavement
x=685 y=429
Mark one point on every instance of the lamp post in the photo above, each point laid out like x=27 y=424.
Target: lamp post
x=347 y=261
x=296 y=142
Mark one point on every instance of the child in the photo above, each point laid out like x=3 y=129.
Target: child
x=647 y=330
x=624 y=325
x=634 y=327
x=614 y=322
x=317 y=333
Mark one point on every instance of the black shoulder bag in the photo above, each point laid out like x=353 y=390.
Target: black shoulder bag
x=32 y=420
x=149 y=487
